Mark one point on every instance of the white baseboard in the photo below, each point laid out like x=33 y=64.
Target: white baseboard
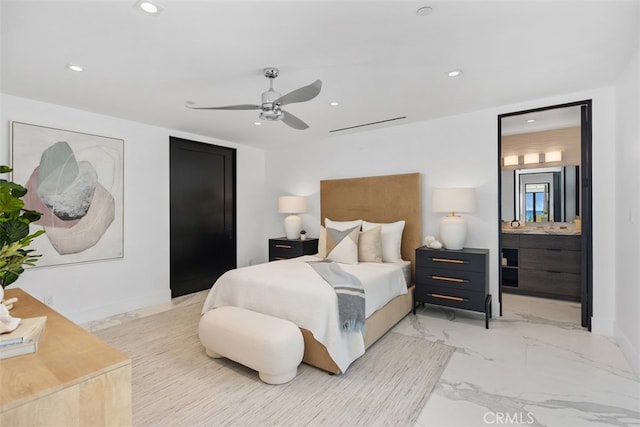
x=631 y=353
x=122 y=306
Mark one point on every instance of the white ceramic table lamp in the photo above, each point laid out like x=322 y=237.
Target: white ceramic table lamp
x=453 y=229
x=292 y=205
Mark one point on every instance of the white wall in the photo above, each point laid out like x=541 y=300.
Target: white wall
x=453 y=151
x=89 y=291
x=627 y=220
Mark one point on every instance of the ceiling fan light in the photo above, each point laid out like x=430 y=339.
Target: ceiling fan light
x=271 y=115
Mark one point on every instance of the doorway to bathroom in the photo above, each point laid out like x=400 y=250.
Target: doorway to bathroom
x=544 y=180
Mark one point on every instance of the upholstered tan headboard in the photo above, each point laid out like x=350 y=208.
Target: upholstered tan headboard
x=386 y=198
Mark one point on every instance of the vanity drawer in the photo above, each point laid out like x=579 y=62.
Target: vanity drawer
x=565 y=285
x=542 y=241
x=511 y=241
x=550 y=260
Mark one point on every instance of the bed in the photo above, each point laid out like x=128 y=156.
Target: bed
x=380 y=199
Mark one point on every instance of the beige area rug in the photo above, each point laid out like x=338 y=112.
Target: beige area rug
x=176 y=384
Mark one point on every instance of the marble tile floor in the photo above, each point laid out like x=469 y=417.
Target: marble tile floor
x=535 y=366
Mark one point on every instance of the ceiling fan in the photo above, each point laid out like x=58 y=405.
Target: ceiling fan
x=272 y=102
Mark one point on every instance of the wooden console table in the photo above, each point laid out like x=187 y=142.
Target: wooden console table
x=74 y=379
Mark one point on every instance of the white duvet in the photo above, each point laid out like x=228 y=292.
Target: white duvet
x=291 y=289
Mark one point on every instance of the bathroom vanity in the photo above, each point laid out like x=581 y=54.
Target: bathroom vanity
x=542 y=262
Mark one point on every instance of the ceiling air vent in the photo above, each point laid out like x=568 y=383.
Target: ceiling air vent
x=368 y=124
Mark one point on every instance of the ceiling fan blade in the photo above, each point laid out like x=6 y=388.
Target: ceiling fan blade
x=303 y=94
x=292 y=121
x=230 y=107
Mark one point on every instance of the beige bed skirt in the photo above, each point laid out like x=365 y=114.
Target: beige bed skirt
x=378 y=324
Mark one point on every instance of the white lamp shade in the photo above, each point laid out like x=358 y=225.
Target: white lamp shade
x=452 y=200
x=292 y=204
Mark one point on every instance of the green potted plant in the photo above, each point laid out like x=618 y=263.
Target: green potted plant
x=14 y=235
x=14 y=231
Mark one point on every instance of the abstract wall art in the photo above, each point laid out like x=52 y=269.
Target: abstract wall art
x=76 y=181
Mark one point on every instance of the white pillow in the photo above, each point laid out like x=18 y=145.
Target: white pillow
x=391 y=239
x=322 y=242
x=342 y=225
x=342 y=245
x=370 y=245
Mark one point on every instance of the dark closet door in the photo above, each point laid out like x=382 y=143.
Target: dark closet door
x=203 y=214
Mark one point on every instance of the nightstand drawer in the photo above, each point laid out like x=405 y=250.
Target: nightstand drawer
x=456 y=298
x=443 y=259
x=285 y=249
x=451 y=278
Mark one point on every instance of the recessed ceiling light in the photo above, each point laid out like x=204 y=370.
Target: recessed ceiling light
x=152 y=8
x=531 y=120
x=257 y=123
x=334 y=103
x=74 y=67
x=454 y=73
x=424 y=11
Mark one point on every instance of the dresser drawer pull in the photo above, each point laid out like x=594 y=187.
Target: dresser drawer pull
x=448 y=297
x=449 y=279
x=283 y=246
x=450 y=261
x=277 y=258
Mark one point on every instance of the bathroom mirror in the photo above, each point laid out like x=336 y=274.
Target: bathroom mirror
x=541 y=166
x=541 y=195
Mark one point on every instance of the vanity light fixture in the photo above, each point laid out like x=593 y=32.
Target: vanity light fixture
x=531 y=158
x=74 y=67
x=553 y=156
x=454 y=73
x=147 y=6
x=510 y=160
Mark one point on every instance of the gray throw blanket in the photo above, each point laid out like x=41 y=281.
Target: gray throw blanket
x=350 y=292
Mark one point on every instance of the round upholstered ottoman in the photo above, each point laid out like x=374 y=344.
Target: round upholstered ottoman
x=274 y=347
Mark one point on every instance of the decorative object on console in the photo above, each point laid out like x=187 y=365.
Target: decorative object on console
x=292 y=205
x=303 y=234
x=453 y=228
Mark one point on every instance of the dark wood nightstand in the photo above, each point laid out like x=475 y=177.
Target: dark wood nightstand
x=453 y=278
x=283 y=248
